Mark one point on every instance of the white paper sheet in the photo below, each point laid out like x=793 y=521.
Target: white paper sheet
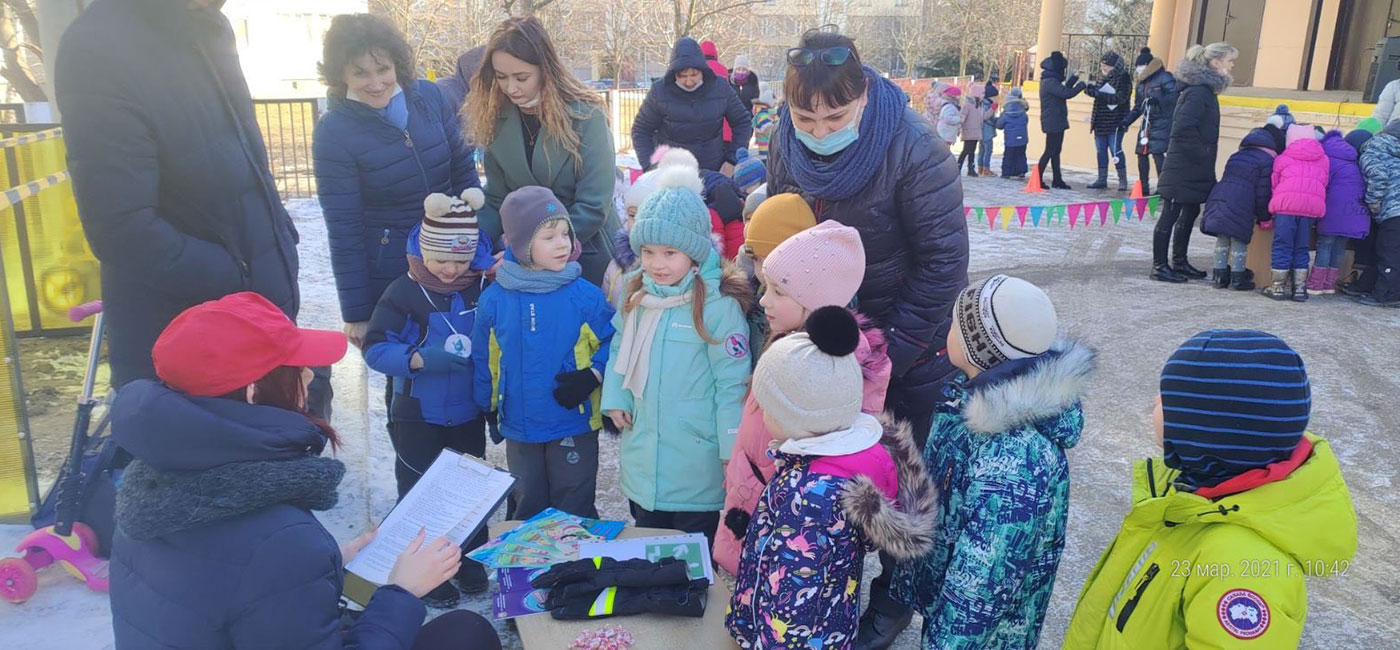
x=692 y=548
x=1107 y=89
x=456 y=494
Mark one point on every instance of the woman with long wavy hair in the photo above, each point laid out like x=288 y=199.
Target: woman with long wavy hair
x=539 y=125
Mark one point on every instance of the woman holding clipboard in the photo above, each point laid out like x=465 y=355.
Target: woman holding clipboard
x=216 y=543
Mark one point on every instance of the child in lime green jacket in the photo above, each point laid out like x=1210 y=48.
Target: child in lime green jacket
x=679 y=364
x=1226 y=526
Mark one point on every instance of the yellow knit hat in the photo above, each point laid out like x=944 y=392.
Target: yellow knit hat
x=776 y=219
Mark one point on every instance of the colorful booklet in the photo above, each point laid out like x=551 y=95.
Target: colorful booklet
x=544 y=540
x=516 y=597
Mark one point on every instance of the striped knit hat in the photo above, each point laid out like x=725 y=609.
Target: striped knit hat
x=450 y=228
x=1232 y=401
x=1004 y=318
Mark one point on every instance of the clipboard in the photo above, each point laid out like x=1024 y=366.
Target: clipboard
x=455 y=497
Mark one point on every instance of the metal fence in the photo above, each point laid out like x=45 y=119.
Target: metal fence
x=1084 y=50
x=287 y=126
x=622 y=110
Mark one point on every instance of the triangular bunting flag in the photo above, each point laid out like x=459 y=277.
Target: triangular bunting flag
x=1152 y=202
x=1021 y=212
x=1117 y=209
x=1060 y=214
x=1141 y=208
x=1036 y=211
x=1074 y=210
x=980 y=213
x=967 y=211
x=1103 y=212
x=1006 y=216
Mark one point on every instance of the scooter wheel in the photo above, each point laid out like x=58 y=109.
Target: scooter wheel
x=18 y=581
x=87 y=536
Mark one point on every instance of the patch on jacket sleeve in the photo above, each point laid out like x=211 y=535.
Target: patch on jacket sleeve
x=736 y=346
x=1243 y=613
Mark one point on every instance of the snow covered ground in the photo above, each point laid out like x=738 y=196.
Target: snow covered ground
x=1097 y=277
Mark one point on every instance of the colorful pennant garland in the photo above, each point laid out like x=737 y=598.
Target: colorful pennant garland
x=1078 y=213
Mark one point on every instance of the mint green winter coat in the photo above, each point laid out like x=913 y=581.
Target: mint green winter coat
x=684 y=423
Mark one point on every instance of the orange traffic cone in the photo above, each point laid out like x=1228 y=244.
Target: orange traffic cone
x=1137 y=190
x=1033 y=185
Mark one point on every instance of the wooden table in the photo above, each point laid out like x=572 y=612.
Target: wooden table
x=651 y=631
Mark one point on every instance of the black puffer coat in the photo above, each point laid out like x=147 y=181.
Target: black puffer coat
x=1157 y=92
x=1241 y=198
x=1111 y=108
x=691 y=120
x=1055 y=93
x=169 y=170
x=911 y=223
x=1189 y=172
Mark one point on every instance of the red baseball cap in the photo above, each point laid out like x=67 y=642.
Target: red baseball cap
x=222 y=345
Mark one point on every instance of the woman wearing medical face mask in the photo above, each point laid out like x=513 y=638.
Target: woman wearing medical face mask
x=745 y=82
x=850 y=145
x=688 y=109
x=537 y=124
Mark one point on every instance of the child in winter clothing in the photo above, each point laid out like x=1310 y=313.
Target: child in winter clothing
x=1299 y=200
x=1379 y=286
x=416 y=337
x=542 y=335
x=950 y=117
x=1015 y=121
x=749 y=175
x=989 y=131
x=818 y=267
x=974 y=111
x=840 y=474
x=624 y=259
x=773 y=222
x=1346 y=216
x=1241 y=484
x=765 y=118
x=725 y=200
x=997 y=455
x=1237 y=202
x=680 y=363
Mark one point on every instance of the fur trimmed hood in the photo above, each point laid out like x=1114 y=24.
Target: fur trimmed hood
x=1152 y=67
x=904 y=531
x=734 y=283
x=1024 y=393
x=1192 y=73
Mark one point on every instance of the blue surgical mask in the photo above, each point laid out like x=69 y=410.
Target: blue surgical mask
x=834 y=142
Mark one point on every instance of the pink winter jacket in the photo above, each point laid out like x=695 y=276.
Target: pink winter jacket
x=1300 y=180
x=750 y=468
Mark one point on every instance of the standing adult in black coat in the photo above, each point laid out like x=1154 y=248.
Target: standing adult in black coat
x=1189 y=173
x=1113 y=96
x=1157 y=92
x=850 y=145
x=688 y=108
x=169 y=169
x=1055 y=92
x=745 y=82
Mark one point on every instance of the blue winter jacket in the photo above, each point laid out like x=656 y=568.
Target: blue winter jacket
x=1241 y=198
x=530 y=338
x=216 y=545
x=1014 y=121
x=372 y=178
x=410 y=317
x=1380 y=164
x=996 y=454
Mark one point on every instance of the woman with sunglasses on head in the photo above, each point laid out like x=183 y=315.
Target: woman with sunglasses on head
x=688 y=109
x=850 y=145
x=537 y=124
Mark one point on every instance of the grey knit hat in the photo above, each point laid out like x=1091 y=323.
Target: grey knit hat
x=523 y=212
x=783 y=382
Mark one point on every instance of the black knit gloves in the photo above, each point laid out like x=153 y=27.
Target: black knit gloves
x=603 y=587
x=596 y=573
x=574 y=387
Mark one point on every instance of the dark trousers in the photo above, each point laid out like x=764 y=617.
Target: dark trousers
x=1054 y=142
x=418 y=444
x=1174 y=228
x=686 y=522
x=1292 y=237
x=1013 y=161
x=1145 y=170
x=559 y=474
x=969 y=153
x=1383 y=275
x=457 y=630
x=320 y=395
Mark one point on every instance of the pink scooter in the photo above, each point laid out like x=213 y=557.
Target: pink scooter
x=68 y=543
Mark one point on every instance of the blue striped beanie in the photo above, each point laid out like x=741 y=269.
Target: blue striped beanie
x=1232 y=401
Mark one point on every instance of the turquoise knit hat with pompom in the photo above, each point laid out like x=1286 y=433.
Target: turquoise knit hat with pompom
x=675 y=214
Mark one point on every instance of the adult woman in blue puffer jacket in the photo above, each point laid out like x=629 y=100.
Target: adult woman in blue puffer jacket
x=386 y=143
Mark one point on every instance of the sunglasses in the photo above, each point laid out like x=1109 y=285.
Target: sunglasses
x=801 y=56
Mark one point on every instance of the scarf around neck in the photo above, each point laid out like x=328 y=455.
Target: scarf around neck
x=852 y=169
x=639 y=329
x=863 y=434
x=418 y=272
x=514 y=276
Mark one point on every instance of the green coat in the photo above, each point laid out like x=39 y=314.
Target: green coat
x=672 y=456
x=1191 y=572
x=586 y=189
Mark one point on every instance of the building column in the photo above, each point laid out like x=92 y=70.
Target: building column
x=54 y=18
x=1052 y=25
x=1159 y=35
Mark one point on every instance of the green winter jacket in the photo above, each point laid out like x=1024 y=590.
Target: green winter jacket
x=1191 y=572
x=684 y=423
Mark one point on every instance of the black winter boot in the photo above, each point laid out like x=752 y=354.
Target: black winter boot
x=1182 y=266
x=1123 y=185
x=1060 y=184
x=1242 y=281
x=1164 y=273
x=1220 y=278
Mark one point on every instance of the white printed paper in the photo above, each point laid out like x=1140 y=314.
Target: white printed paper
x=1107 y=89
x=693 y=549
x=455 y=496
